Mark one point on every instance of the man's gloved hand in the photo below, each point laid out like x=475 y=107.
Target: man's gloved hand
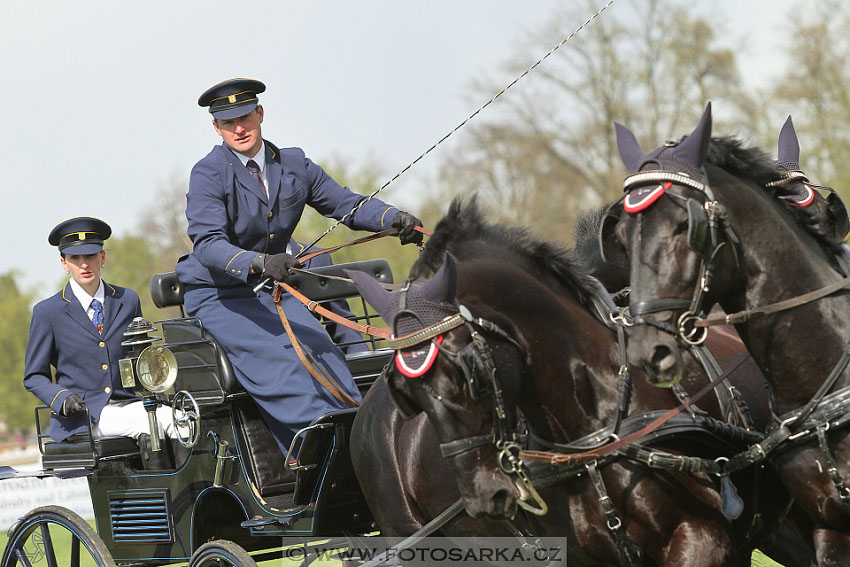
x=277 y=266
x=405 y=222
x=73 y=404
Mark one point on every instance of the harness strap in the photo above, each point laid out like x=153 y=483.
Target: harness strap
x=381 y=332
x=316 y=371
x=426 y=530
x=575 y=458
x=832 y=466
x=746 y=315
x=837 y=371
x=627 y=549
x=460 y=446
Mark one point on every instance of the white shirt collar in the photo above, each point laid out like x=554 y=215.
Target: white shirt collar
x=259 y=159
x=84 y=298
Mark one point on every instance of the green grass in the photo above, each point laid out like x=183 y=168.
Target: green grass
x=62 y=547
x=760 y=560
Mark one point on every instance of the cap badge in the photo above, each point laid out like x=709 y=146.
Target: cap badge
x=82 y=236
x=231 y=98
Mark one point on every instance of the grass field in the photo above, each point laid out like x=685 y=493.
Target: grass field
x=62 y=547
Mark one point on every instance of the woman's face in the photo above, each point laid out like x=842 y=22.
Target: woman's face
x=85 y=269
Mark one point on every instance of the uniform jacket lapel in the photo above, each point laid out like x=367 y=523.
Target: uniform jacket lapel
x=243 y=176
x=273 y=171
x=75 y=311
x=113 y=307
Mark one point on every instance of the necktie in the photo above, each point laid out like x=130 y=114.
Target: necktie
x=255 y=173
x=97 y=320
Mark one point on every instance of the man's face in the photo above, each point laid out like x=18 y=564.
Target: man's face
x=84 y=269
x=242 y=134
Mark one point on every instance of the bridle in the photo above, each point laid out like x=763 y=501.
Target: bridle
x=707 y=220
x=477 y=365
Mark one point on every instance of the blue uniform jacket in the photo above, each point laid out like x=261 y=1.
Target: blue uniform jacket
x=231 y=220
x=86 y=362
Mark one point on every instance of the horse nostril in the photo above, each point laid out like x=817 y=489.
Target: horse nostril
x=502 y=503
x=663 y=358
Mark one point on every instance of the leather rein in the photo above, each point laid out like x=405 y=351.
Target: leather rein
x=316 y=370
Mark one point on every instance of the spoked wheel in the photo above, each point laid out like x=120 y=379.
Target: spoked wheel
x=221 y=553
x=53 y=536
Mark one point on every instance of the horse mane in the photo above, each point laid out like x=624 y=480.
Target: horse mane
x=586 y=235
x=466 y=233
x=730 y=154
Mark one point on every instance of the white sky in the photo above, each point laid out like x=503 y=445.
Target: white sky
x=100 y=96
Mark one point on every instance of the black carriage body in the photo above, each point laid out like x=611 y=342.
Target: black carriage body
x=235 y=483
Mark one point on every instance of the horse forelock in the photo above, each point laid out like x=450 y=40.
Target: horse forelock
x=729 y=154
x=465 y=232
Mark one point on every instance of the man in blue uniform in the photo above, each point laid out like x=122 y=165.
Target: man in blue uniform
x=79 y=332
x=245 y=199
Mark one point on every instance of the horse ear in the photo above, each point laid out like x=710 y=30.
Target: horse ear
x=443 y=286
x=630 y=151
x=789 y=146
x=371 y=290
x=693 y=149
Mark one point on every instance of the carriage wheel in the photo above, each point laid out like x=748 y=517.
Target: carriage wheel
x=52 y=536
x=220 y=553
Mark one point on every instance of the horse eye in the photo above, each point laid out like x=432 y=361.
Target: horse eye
x=681 y=227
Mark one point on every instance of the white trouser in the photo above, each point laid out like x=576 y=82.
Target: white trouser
x=130 y=419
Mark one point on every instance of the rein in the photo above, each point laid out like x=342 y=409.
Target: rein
x=310 y=363
x=746 y=315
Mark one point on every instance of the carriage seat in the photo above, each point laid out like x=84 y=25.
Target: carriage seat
x=76 y=451
x=168 y=291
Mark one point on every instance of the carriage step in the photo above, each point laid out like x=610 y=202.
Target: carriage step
x=260 y=521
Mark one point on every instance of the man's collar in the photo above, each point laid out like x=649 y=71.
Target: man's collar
x=259 y=159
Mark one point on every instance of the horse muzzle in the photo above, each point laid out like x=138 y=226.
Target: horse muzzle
x=658 y=354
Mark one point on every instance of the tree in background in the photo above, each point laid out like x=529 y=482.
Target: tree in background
x=16 y=411
x=814 y=90
x=551 y=150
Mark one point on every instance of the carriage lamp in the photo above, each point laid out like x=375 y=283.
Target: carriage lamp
x=157 y=369
x=137 y=340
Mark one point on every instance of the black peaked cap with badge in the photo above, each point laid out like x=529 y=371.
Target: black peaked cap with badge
x=232 y=98
x=80 y=235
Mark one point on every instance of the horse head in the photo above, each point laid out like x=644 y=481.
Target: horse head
x=674 y=229
x=665 y=229
x=444 y=367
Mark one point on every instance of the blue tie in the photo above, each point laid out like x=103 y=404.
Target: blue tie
x=98 y=315
x=255 y=173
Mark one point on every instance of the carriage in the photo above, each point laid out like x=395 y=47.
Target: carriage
x=223 y=488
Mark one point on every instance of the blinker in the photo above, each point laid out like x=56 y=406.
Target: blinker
x=477 y=377
x=697 y=225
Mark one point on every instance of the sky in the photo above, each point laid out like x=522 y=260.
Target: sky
x=100 y=96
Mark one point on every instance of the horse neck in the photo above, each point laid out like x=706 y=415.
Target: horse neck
x=780 y=260
x=566 y=387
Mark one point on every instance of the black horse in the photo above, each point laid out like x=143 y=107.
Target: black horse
x=558 y=364
x=710 y=221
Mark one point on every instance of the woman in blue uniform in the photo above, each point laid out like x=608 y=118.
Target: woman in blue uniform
x=79 y=331
x=245 y=199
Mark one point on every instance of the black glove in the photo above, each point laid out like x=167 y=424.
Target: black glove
x=277 y=266
x=405 y=222
x=73 y=404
